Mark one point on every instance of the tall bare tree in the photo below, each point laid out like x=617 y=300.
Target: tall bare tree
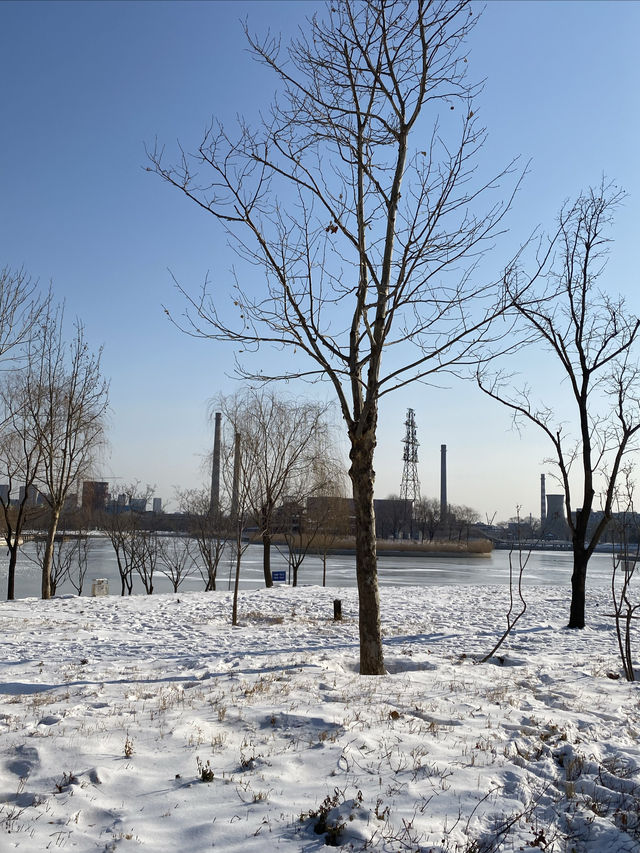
x=357 y=200
x=21 y=308
x=590 y=336
x=20 y=459
x=67 y=401
x=283 y=441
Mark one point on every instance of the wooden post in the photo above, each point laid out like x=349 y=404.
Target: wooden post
x=337 y=610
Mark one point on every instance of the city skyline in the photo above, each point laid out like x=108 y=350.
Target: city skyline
x=91 y=83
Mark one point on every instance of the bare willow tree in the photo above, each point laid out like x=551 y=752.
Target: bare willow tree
x=590 y=336
x=283 y=442
x=357 y=202
x=66 y=400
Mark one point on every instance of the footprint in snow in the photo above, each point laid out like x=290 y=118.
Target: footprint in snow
x=27 y=758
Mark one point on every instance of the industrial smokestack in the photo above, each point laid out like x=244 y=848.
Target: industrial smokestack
x=236 y=476
x=214 y=503
x=443 y=481
x=543 y=501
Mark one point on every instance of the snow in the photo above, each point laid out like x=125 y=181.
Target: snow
x=113 y=710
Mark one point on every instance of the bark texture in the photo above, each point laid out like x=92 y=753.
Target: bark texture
x=362 y=478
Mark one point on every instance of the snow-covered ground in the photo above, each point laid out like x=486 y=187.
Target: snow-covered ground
x=149 y=723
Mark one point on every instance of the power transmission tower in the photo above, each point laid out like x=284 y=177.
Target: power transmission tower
x=410 y=486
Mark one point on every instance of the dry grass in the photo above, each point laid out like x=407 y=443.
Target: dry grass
x=439 y=547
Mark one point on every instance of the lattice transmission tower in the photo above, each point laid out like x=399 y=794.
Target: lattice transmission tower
x=410 y=486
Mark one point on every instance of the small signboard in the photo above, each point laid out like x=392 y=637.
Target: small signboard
x=279 y=576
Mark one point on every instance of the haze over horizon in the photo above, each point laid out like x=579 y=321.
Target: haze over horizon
x=88 y=84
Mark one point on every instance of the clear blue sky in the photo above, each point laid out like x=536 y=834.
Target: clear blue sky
x=85 y=85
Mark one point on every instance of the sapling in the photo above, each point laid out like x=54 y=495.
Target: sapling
x=624 y=567
x=511 y=618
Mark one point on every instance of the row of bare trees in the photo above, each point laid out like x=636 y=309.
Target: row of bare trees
x=361 y=218
x=276 y=455
x=53 y=406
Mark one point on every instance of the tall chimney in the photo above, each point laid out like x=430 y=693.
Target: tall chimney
x=236 y=476
x=214 y=504
x=443 y=481
x=543 y=501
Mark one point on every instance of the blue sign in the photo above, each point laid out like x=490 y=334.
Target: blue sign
x=279 y=576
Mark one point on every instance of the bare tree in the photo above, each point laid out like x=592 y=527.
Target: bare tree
x=116 y=526
x=626 y=556
x=333 y=516
x=427 y=517
x=144 y=555
x=20 y=458
x=282 y=443
x=21 y=308
x=176 y=562
x=590 y=336
x=324 y=518
x=69 y=558
x=461 y=519
x=67 y=400
x=209 y=528
x=513 y=617
x=81 y=547
x=365 y=223
x=303 y=529
x=122 y=525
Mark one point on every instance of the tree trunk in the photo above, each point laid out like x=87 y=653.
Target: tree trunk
x=578 y=585
x=266 y=555
x=11 y=576
x=236 y=584
x=121 y=571
x=362 y=476
x=48 y=554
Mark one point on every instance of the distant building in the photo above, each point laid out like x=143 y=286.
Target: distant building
x=157 y=504
x=391 y=516
x=138 y=504
x=95 y=495
x=4 y=493
x=335 y=514
x=555 y=525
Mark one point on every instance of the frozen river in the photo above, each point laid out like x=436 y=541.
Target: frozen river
x=549 y=568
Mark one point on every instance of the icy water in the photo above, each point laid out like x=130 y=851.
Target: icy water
x=548 y=568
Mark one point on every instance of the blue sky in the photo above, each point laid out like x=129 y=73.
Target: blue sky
x=85 y=85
